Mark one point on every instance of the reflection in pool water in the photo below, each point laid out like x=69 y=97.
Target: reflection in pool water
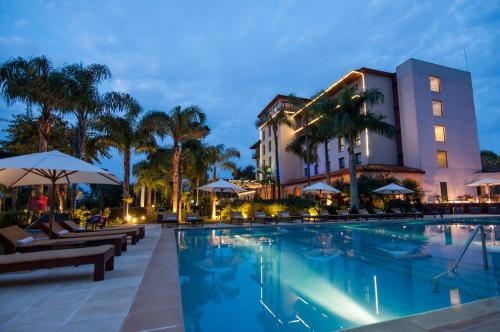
x=327 y=277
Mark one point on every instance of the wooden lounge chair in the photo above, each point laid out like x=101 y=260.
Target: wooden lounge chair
x=327 y=216
x=363 y=213
x=72 y=226
x=13 y=238
x=238 y=217
x=475 y=210
x=168 y=218
x=345 y=214
x=260 y=215
x=193 y=218
x=286 y=216
x=306 y=216
x=417 y=213
x=61 y=233
x=102 y=257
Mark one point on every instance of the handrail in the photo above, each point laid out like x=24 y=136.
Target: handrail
x=454 y=266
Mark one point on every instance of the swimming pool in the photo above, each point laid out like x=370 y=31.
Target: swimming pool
x=331 y=276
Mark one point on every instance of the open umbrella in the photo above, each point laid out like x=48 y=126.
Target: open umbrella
x=393 y=189
x=321 y=187
x=51 y=168
x=487 y=182
x=221 y=186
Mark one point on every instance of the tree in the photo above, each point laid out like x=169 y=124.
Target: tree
x=84 y=101
x=145 y=174
x=306 y=148
x=490 y=160
x=247 y=173
x=34 y=81
x=128 y=134
x=275 y=121
x=181 y=124
x=221 y=157
x=267 y=177
x=350 y=118
x=196 y=163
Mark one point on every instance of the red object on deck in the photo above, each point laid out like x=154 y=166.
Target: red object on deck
x=38 y=203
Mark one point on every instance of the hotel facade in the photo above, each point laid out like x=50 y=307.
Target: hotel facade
x=432 y=106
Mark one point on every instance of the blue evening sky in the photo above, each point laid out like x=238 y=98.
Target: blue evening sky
x=232 y=57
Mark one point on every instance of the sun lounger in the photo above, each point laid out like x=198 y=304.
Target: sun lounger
x=475 y=210
x=260 y=215
x=102 y=257
x=61 y=233
x=417 y=213
x=238 y=217
x=306 y=216
x=347 y=215
x=382 y=214
x=327 y=216
x=285 y=216
x=74 y=227
x=14 y=238
x=193 y=218
x=363 y=213
x=168 y=218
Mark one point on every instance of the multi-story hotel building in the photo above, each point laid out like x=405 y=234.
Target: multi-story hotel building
x=432 y=107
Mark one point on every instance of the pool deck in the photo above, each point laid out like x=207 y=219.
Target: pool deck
x=143 y=294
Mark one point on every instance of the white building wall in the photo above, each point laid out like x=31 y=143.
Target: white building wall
x=459 y=120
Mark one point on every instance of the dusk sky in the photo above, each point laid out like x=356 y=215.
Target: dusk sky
x=232 y=57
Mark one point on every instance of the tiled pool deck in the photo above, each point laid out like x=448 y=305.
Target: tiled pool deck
x=143 y=294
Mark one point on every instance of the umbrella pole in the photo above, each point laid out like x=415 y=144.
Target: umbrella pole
x=52 y=204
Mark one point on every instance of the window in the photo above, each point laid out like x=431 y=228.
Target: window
x=357 y=141
x=439 y=133
x=341 y=144
x=316 y=169
x=306 y=171
x=442 y=159
x=435 y=84
x=357 y=157
x=269 y=131
x=444 y=191
x=269 y=146
x=270 y=162
x=263 y=134
x=341 y=163
x=437 y=108
x=263 y=149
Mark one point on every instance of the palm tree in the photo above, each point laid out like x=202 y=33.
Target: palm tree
x=181 y=124
x=196 y=164
x=145 y=174
x=84 y=102
x=267 y=177
x=128 y=134
x=34 y=81
x=275 y=121
x=221 y=157
x=350 y=118
x=306 y=148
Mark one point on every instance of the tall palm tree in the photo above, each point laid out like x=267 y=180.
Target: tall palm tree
x=306 y=148
x=196 y=164
x=275 y=121
x=267 y=178
x=84 y=102
x=221 y=157
x=181 y=124
x=145 y=174
x=34 y=81
x=350 y=118
x=129 y=134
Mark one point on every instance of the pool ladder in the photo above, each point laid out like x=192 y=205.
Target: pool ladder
x=453 y=268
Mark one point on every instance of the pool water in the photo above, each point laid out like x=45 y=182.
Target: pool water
x=329 y=277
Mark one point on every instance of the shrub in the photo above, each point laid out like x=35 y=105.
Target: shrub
x=272 y=207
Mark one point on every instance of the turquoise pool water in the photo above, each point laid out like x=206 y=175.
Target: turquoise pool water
x=329 y=277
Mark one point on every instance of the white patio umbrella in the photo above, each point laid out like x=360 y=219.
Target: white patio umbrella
x=51 y=168
x=487 y=182
x=221 y=186
x=393 y=189
x=321 y=187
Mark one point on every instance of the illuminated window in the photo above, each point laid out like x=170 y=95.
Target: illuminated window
x=341 y=144
x=434 y=83
x=439 y=133
x=358 y=158
x=341 y=163
x=442 y=159
x=357 y=141
x=437 y=108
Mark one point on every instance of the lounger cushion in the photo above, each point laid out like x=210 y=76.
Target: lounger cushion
x=26 y=240
x=62 y=232
x=53 y=254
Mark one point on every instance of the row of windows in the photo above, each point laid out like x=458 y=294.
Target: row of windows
x=342 y=164
x=341 y=142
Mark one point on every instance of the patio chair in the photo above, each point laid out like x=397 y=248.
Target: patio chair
x=74 y=227
x=14 y=238
x=363 y=213
x=345 y=214
x=327 y=216
x=60 y=232
x=102 y=257
x=382 y=214
x=193 y=218
x=285 y=216
x=238 y=217
x=493 y=210
x=475 y=210
x=417 y=213
x=260 y=215
x=168 y=218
